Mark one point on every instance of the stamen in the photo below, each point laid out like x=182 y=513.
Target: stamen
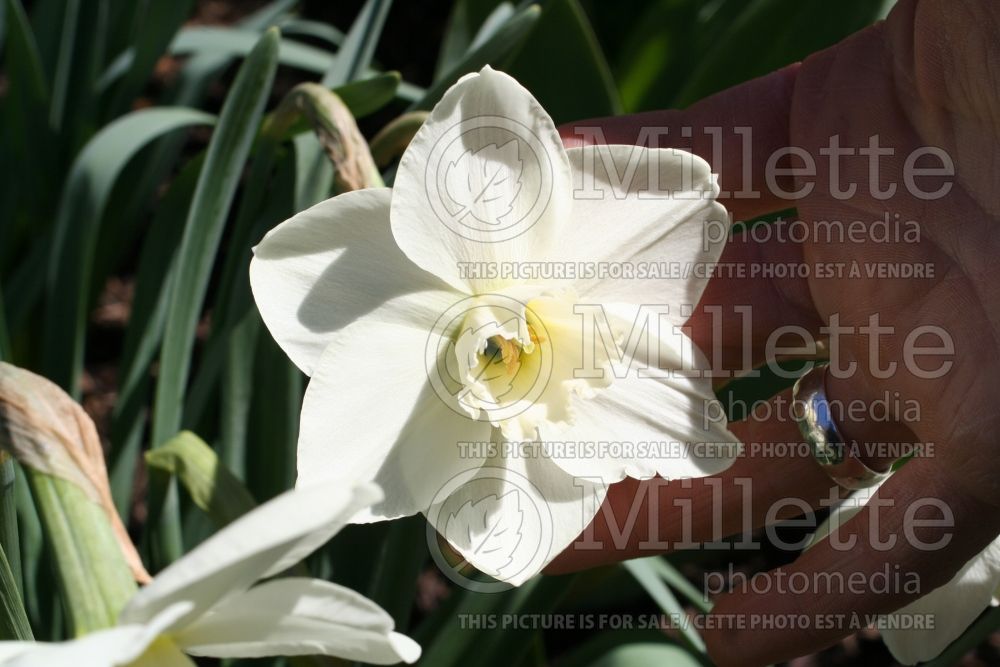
x=510 y=352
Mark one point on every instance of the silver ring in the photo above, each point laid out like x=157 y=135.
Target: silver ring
x=839 y=460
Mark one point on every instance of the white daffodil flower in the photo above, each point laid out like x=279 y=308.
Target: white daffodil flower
x=953 y=607
x=206 y=604
x=496 y=338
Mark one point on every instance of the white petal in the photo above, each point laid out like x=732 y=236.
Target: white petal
x=515 y=515
x=331 y=264
x=370 y=412
x=953 y=607
x=644 y=209
x=10 y=649
x=262 y=543
x=122 y=645
x=299 y=617
x=843 y=512
x=104 y=648
x=658 y=415
x=163 y=653
x=485 y=179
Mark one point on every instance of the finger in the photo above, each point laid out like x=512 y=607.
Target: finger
x=884 y=558
x=736 y=131
x=744 y=308
x=775 y=478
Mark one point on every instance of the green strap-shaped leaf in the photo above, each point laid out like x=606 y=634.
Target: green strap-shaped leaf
x=647 y=653
x=9 y=539
x=26 y=133
x=35 y=580
x=646 y=575
x=23 y=64
x=81 y=208
x=503 y=41
x=13 y=619
x=678 y=582
x=403 y=555
x=314 y=29
x=794 y=30
x=496 y=647
x=274 y=420
x=145 y=330
x=149 y=308
x=604 y=646
x=237 y=42
x=356 y=53
x=3 y=23
x=366 y=96
x=469 y=19
x=160 y=21
x=211 y=485
x=443 y=636
x=576 y=81
x=265 y=203
x=227 y=154
x=5 y=351
x=64 y=63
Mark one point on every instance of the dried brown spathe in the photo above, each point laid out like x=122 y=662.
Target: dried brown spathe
x=46 y=430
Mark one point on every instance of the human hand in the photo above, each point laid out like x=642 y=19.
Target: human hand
x=921 y=79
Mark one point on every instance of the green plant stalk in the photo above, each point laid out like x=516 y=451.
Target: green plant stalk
x=94 y=580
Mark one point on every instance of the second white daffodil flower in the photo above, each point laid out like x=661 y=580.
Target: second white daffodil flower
x=206 y=604
x=497 y=338
x=945 y=612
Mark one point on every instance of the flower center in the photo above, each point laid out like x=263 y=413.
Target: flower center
x=518 y=361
